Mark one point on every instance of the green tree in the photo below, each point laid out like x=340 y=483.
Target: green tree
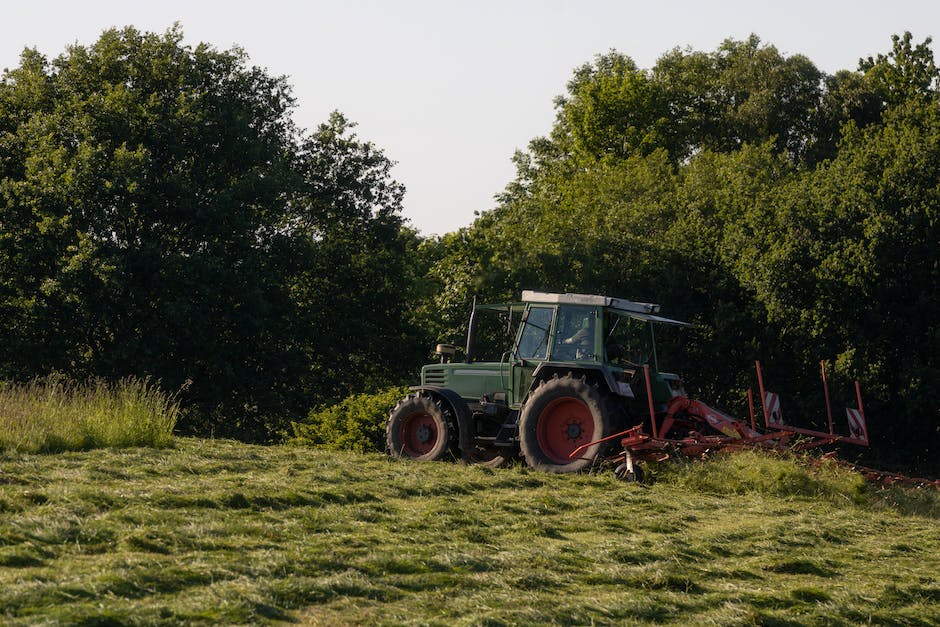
x=161 y=215
x=860 y=98
x=905 y=73
x=846 y=259
x=356 y=268
x=743 y=93
x=612 y=108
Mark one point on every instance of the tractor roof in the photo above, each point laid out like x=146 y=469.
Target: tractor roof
x=623 y=304
x=633 y=309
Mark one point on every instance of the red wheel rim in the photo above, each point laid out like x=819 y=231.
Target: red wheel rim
x=418 y=434
x=563 y=426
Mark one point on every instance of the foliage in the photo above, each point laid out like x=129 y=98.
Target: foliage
x=847 y=261
x=161 y=215
x=53 y=415
x=221 y=532
x=355 y=424
x=743 y=93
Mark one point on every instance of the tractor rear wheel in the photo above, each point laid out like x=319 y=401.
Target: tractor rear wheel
x=419 y=428
x=561 y=415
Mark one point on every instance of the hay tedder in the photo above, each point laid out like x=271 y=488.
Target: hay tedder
x=691 y=428
x=581 y=384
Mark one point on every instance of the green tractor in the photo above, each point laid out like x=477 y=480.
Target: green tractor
x=574 y=375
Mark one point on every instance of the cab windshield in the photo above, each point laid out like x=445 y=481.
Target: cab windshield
x=533 y=341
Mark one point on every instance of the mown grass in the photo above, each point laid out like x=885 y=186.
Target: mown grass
x=53 y=414
x=219 y=532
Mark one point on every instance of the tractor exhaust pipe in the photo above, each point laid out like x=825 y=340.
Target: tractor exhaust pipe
x=471 y=332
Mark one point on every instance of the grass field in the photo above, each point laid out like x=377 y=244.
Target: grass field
x=221 y=532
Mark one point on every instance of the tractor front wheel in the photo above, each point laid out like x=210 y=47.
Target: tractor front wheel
x=561 y=415
x=419 y=428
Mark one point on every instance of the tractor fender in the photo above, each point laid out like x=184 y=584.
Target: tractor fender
x=546 y=370
x=460 y=409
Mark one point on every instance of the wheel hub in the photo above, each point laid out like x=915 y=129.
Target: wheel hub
x=573 y=431
x=423 y=434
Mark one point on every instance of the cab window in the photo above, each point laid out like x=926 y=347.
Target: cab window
x=626 y=341
x=574 y=334
x=533 y=341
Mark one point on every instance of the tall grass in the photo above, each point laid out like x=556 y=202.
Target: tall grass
x=53 y=414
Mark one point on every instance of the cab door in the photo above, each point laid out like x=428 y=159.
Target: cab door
x=532 y=346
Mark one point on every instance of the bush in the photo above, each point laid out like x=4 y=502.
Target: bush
x=355 y=424
x=53 y=414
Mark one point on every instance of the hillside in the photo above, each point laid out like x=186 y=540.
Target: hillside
x=221 y=532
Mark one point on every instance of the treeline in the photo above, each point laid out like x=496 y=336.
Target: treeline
x=161 y=215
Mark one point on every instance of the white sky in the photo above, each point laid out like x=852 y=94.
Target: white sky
x=451 y=89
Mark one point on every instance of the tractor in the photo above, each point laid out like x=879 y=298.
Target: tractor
x=580 y=378
x=581 y=369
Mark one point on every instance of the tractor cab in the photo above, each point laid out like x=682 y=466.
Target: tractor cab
x=609 y=340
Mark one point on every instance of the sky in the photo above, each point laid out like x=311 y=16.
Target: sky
x=450 y=90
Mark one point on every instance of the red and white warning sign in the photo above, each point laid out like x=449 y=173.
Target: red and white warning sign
x=772 y=408
x=857 y=428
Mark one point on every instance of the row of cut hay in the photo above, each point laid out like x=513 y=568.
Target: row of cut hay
x=796 y=476
x=53 y=414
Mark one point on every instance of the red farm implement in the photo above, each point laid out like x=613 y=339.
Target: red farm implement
x=690 y=428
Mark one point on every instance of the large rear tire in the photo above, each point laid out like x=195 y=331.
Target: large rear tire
x=561 y=415
x=419 y=428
